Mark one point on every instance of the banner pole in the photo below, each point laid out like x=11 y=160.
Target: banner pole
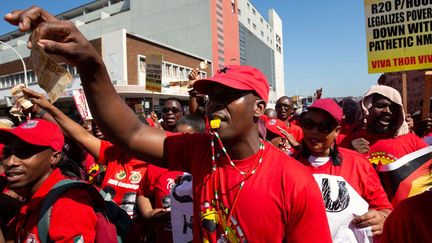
x=404 y=91
x=427 y=92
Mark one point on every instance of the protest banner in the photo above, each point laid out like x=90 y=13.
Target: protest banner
x=398 y=35
x=154 y=72
x=81 y=104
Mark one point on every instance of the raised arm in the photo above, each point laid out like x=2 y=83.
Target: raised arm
x=71 y=128
x=118 y=123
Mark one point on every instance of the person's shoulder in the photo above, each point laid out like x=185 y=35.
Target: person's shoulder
x=346 y=139
x=186 y=136
x=353 y=157
x=351 y=153
x=410 y=136
x=79 y=195
x=295 y=126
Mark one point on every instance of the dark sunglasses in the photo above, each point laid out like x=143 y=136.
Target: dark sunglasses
x=172 y=109
x=280 y=106
x=323 y=127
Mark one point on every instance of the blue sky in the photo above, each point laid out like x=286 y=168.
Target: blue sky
x=324 y=42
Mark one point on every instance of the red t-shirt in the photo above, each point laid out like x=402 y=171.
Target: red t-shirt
x=157 y=184
x=72 y=215
x=385 y=149
x=296 y=131
x=410 y=221
x=359 y=173
x=280 y=202
x=122 y=177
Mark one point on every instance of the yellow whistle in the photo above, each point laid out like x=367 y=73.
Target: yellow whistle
x=215 y=123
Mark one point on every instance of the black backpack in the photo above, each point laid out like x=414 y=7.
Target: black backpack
x=112 y=223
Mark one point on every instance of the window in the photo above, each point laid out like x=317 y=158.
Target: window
x=239 y=11
x=167 y=70
x=261 y=19
x=174 y=71
x=278 y=48
x=248 y=20
x=248 y=5
x=262 y=33
x=142 y=65
x=219 y=7
x=254 y=26
x=253 y=11
x=182 y=72
x=278 y=39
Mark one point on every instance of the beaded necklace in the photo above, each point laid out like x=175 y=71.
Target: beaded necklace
x=246 y=175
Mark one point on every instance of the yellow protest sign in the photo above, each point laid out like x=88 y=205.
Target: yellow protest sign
x=154 y=73
x=398 y=35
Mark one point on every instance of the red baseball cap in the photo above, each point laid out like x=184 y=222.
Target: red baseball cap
x=273 y=124
x=36 y=132
x=330 y=106
x=237 y=77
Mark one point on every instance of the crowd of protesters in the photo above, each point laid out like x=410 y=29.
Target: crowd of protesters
x=232 y=170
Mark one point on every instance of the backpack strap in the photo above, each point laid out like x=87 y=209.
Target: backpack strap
x=57 y=190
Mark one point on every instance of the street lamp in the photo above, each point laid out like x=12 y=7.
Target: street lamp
x=22 y=61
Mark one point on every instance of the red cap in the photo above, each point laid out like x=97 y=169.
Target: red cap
x=330 y=106
x=237 y=77
x=36 y=132
x=272 y=125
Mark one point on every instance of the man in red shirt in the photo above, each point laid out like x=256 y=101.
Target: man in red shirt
x=123 y=172
x=284 y=109
x=172 y=111
x=387 y=139
x=244 y=188
x=32 y=151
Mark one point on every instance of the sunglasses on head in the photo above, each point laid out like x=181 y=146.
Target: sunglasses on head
x=172 y=109
x=322 y=127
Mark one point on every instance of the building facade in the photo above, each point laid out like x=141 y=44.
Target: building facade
x=210 y=30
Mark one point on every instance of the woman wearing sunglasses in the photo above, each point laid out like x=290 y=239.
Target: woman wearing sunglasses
x=355 y=201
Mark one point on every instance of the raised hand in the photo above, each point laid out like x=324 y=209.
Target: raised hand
x=55 y=36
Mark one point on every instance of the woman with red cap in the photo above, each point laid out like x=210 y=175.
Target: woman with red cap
x=353 y=196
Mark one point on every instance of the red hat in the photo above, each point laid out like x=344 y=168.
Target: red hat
x=237 y=77
x=36 y=132
x=273 y=124
x=330 y=106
